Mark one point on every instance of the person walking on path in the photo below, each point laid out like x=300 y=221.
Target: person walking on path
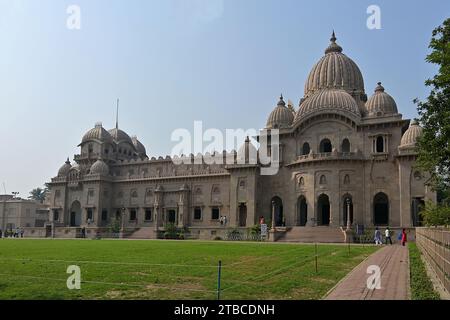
x=387 y=235
x=378 y=236
x=404 y=238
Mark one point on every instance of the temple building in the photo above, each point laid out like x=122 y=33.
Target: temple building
x=346 y=159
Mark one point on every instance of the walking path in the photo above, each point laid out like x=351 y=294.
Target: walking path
x=394 y=265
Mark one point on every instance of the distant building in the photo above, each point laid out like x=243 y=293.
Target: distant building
x=346 y=159
x=17 y=212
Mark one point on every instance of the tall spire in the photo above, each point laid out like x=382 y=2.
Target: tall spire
x=117 y=114
x=333 y=37
x=333 y=47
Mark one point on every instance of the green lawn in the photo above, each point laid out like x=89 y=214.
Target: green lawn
x=112 y=269
x=421 y=285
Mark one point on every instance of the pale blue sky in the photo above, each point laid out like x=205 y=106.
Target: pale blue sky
x=171 y=62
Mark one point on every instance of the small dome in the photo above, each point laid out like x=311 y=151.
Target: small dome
x=64 y=170
x=120 y=135
x=335 y=71
x=328 y=100
x=97 y=133
x=280 y=117
x=247 y=153
x=139 y=146
x=381 y=103
x=100 y=167
x=410 y=136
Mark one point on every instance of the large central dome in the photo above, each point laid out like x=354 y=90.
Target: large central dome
x=335 y=71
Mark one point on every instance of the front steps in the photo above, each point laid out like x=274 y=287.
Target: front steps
x=320 y=234
x=142 y=233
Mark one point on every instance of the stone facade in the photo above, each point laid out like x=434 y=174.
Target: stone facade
x=21 y=213
x=342 y=155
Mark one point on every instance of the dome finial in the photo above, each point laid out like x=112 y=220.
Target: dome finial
x=67 y=161
x=333 y=47
x=333 y=37
x=281 y=102
x=117 y=114
x=379 y=87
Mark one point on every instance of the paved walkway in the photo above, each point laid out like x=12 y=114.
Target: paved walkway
x=394 y=265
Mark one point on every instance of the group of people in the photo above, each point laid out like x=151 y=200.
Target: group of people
x=12 y=233
x=387 y=236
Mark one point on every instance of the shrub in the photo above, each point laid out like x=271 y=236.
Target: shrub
x=436 y=214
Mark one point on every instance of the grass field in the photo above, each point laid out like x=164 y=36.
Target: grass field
x=112 y=269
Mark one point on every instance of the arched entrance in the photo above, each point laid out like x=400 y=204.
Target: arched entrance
x=302 y=208
x=277 y=205
x=323 y=210
x=347 y=206
x=417 y=206
x=381 y=209
x=242 y=215
x=75 y=214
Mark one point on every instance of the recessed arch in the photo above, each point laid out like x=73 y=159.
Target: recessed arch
x=306 y=148
x=345 y=145
x=302 y=211
x=277 y=206
x=323 y=210
x=381 y=209
x=75 y=214
x=325 y=146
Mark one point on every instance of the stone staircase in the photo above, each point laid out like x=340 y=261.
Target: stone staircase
x=320 y=234
x=142 y=233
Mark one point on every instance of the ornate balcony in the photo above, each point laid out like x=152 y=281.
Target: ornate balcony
x=324 y=156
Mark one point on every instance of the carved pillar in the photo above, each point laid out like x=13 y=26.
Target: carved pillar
x=158 y=207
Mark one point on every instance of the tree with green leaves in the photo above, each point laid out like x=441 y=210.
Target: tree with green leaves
x=434 y=113
x=38 y=194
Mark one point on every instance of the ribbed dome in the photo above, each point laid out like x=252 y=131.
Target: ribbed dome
x=120 y=135
x=138 y=145
x=335 y=70
x=97 y=133
x=326 y=101
x=410 y=136
x=247 y=153
x=381 y=103
x=64 y=170
x=280 y=117
x=99 y=167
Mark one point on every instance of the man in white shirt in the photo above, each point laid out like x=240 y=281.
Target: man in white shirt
x=387 y=235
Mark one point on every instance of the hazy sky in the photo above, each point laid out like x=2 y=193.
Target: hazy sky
x=172 y=62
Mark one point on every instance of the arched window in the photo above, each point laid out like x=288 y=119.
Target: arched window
x=380 y=144
x=347 y=179
x=325 y=146
x=345 y=145
x=242 y=184
x=301 y=182
x=134 y=194
x=305 y=148
x=323 y=179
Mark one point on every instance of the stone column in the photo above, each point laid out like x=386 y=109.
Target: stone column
x=273 y=216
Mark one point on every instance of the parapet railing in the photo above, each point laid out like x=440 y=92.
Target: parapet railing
x=434 y=243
